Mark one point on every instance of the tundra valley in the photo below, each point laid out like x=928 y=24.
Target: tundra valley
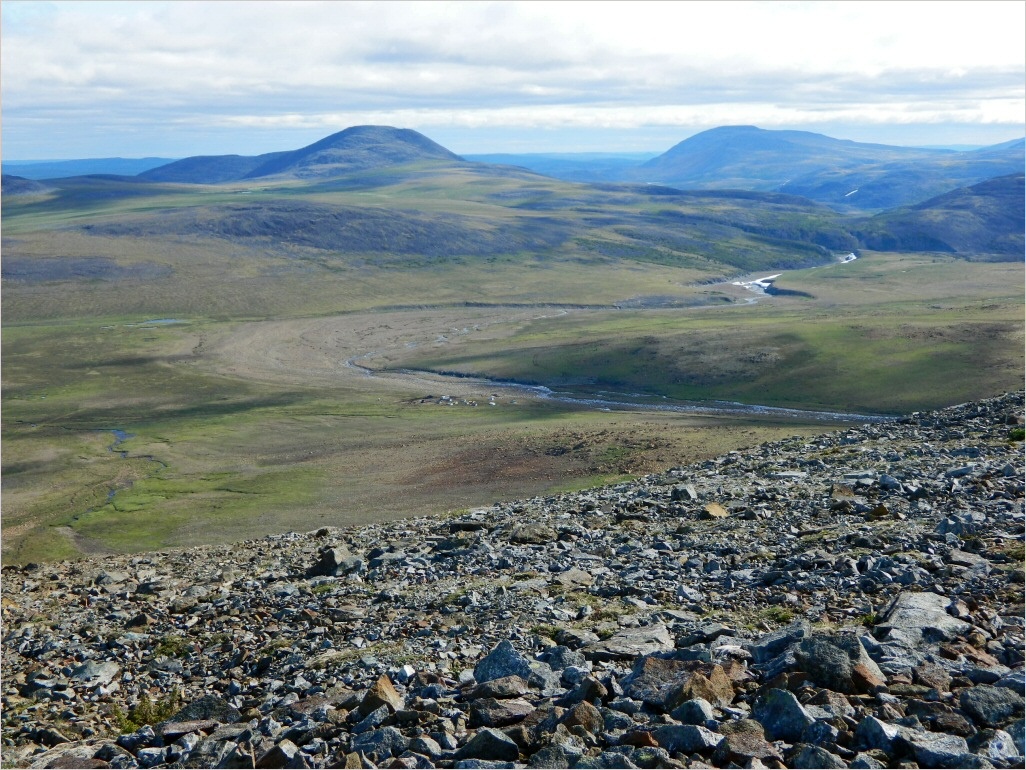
x=370 y=455
x=372 y=327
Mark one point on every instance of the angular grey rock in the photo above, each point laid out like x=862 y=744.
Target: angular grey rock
x=336 y=561
x=533 y=534
x=838 y=662
x=686 y=738
x=652 y=680
x=774 y=643
x=381 y=744
x=864 y=761
x=781 y=716
x=991 y=706
x=934 y=749
x=372 y=721
x=995 y=745
x=816 y=758
x=489 y=743
x=552 y=756
x=607 y=760
x=561 y=657
x=489 y=712
x=1017 y=730
x=208 y=707
x=503 y=687
x=588 y=689
x=872 y=733
x=501 y=662
x=426 y=745
x=697 y=711
x=93 y=673
x=279 y=756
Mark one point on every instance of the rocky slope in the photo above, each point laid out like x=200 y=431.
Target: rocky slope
x=854 y=600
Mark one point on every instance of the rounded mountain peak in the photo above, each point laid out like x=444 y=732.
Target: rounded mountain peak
x=355 y=149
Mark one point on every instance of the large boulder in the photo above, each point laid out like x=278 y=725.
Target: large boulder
x=629 y=643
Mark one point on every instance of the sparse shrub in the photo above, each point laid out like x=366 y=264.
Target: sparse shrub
x=544 y=630
x=777 y=614
x=1017 y=433
x=146 y=712
x=171 y=646
x=870 y=619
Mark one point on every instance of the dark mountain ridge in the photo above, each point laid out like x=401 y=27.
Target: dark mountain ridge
x=984 y=219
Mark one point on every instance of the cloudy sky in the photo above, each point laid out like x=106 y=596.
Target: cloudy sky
x=134 y=79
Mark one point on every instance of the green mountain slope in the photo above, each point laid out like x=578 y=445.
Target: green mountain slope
x=985 y=220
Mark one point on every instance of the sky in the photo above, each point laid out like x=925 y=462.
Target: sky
x=172 y=79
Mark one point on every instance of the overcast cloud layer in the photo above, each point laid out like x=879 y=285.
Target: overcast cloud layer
x=98 y=79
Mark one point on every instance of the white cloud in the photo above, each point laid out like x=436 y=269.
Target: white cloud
x=269 y=65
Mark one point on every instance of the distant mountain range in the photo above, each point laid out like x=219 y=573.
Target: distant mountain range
x=54 y=169
x=843 y=174
x=769 y=185
x=354 y=149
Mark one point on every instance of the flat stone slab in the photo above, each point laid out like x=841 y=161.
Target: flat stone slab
x=922 y=616
x=631 y=643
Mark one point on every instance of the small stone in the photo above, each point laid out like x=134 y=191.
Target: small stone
x=697 y=711
x=502 y=661
x=279 y=756
x=585 y=715
x=816 y=758
x=208 y=707
x=686 y=739
x=490 y=712
x=503 y=687
x=381 y=693
x=713 y=511
x=934 y=749
x=93 y=674
x=381 y=744
x=781 y=716
x=743 y=740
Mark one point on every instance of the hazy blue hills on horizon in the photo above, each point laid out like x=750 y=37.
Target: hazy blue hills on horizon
x=848 y=176
x=981 y=218
x=56 y=169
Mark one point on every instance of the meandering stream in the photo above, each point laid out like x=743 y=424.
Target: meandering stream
x=609 y=401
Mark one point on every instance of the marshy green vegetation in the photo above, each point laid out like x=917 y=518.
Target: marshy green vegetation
x=177 y=359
